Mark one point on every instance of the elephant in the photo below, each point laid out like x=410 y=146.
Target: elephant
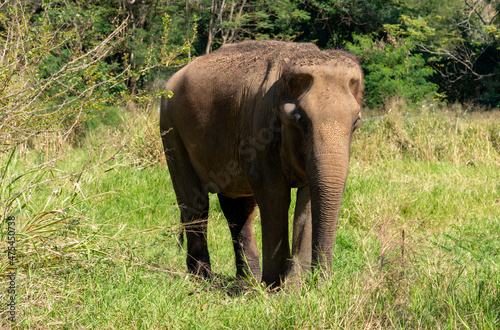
x=249 y=122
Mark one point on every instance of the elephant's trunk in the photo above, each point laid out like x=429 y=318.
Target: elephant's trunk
x=327 y=167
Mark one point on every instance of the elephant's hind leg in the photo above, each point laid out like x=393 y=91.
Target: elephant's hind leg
x=195 y=227
x=239 y=214
x=193 y=204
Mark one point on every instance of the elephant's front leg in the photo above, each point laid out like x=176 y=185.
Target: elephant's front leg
x=302 y=233
x=274 y=201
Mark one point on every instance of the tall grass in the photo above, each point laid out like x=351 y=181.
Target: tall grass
x=417 y=245
x=431 y=134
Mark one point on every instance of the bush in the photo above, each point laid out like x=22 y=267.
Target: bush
x=391 y=70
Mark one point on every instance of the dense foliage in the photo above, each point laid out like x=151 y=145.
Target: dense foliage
x=392 y=70
x=410 y=49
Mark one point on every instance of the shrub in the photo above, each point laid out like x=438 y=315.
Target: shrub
x=392 y=70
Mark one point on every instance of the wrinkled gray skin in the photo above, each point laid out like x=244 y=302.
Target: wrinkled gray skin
x=249 y=122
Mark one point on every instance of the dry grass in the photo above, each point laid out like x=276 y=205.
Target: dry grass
x=431 y=134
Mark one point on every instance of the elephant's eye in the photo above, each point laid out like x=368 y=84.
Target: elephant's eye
x=301 y=121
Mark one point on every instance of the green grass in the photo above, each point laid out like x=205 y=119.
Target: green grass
x=417 y=246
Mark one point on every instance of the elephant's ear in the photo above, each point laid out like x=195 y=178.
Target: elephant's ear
x=296 y=84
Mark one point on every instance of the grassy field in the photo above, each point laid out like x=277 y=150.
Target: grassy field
x=417 y=246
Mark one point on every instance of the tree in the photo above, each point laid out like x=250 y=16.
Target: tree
x=464 y=49
x=262 y=19
x=392 y=69
x=224 y=20
x=50 y=75
x=53 y=77
x=333 y=22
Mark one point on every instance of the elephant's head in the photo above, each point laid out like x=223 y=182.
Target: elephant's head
x=320 y=109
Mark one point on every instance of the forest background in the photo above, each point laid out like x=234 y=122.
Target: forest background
x=86 y=197
x=447 y=50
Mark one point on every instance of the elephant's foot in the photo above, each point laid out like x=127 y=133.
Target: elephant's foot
x=250 y=272
x=199 y=268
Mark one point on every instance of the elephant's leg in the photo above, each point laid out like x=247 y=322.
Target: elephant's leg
x=274 y=201
x=302 y=232
x=239 y=214
x=193 y=204
x=195 y=227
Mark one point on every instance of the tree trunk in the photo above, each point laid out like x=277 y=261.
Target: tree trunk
x=212 y=27
x=138 y=22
